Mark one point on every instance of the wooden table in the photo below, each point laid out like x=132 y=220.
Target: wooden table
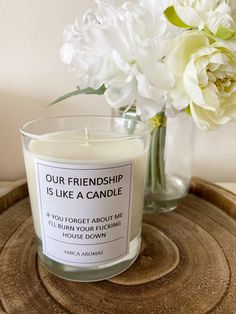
x=187 y=262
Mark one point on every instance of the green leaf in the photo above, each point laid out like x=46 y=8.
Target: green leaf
x=208 y=32
x=87 y=91
x=225 y=33
x=173 y=18
x=188 y=111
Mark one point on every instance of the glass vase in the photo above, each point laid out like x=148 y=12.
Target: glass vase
x=170 y=160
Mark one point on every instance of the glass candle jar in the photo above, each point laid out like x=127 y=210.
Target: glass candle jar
x=86 y=184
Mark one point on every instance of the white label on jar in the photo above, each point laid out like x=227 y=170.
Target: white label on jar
x=84 y=211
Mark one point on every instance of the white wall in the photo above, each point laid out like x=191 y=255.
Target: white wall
x=32 y=75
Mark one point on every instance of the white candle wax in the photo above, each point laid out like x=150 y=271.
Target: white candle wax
x=62 y=147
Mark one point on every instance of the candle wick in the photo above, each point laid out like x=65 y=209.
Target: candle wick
x=86 y=133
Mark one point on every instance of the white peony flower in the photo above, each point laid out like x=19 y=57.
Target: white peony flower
x=213 y=14
x=130 y=48
x=123 y=48
x=205 y=77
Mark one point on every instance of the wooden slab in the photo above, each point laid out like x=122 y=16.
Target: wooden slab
x=187 y=263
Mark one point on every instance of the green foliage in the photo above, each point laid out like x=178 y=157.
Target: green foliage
x=188 y=111
x=173 y=18
x=86 y=91
x=225 y=33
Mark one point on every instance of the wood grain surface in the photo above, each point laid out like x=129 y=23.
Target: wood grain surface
x=187 y=263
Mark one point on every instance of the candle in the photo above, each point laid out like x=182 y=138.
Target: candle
x=86 y=184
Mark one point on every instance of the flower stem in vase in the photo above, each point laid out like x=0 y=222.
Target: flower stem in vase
x=156 y=170
x=162 y=142
x=154 y=159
